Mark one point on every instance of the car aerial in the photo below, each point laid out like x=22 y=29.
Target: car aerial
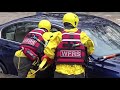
x=104 y=33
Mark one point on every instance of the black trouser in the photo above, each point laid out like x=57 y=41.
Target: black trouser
x=59 y=75
x=24 y=66
x=47 y=73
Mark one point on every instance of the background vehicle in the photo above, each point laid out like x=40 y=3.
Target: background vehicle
x=104 y=33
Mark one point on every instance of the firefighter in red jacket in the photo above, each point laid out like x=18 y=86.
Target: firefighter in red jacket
x=70 y=49
x=31 y=48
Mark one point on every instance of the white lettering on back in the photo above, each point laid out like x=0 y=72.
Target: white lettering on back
x=70 y=53
x=29 y=41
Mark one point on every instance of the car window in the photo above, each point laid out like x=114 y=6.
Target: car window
x=23 y=29
x=17 y=31
x=26 y=28
x=106 y=40
x=9 y=32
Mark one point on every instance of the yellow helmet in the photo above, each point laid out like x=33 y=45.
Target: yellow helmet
x=71 y=18
x=45 y=24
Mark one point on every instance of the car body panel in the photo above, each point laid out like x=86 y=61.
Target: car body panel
x=7 y=51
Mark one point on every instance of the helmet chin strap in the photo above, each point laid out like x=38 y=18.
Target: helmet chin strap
x=75 y=23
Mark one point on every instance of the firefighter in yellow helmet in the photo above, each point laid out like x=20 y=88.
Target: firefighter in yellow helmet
x=32 y=48
x=70 y=49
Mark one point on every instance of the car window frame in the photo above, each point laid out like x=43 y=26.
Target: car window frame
x=1 y=31
x=13 y=23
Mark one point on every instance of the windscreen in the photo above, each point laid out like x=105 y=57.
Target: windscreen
x=106 y=39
